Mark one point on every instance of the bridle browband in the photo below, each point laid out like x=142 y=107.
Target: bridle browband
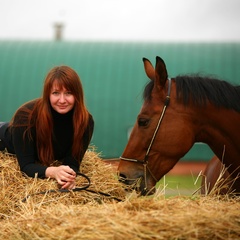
x=145 y=161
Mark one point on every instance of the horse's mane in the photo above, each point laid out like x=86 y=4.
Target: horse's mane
x=200 y=89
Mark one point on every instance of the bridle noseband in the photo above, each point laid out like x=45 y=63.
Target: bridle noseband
x=145 y=161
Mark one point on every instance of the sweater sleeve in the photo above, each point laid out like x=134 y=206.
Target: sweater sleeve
x=26 y=153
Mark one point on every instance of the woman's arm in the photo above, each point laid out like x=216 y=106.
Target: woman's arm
x=26 y=153
x=24 y=147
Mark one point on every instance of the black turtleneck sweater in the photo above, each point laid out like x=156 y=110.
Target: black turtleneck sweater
x=62 y=134
x=26 y=150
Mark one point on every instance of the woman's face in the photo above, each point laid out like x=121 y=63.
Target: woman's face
x=61 y=100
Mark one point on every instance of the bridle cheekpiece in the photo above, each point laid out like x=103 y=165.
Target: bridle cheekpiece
x=145 y=161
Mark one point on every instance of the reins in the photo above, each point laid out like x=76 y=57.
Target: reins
x=77 y=189
x=145 y=161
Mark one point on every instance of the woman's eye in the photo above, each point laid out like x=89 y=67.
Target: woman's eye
x=143 y=122
x=55 y=93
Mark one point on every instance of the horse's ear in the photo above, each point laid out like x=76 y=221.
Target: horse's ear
x=161 y=72
x=149 y=69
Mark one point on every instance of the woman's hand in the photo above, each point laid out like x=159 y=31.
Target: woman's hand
x=64 y=175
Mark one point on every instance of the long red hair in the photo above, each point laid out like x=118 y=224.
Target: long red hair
x=41 y=116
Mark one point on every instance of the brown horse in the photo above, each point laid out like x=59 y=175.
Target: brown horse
x=175 y=114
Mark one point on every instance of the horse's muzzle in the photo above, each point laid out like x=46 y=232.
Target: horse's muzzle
x=136 y=184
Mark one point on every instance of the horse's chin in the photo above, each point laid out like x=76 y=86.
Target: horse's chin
x=142 y=190
x=147 y=192
x=138 y=185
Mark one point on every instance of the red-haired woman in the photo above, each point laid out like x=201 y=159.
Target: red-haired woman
x=56 y=126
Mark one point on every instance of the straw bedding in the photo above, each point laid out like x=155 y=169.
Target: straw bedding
x=85 y=215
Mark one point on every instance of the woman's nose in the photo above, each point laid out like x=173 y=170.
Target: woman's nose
x=62 y=98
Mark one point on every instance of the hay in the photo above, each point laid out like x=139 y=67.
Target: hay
x=83 y=215
x=16 y=187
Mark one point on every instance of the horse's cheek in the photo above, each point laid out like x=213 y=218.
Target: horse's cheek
x=180 y=143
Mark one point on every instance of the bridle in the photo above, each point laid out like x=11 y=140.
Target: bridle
x=145 y=161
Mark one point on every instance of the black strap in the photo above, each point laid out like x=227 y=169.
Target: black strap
x=77 y=189
x=104 y=194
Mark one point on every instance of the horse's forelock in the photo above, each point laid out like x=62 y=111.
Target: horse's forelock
x=148 y=90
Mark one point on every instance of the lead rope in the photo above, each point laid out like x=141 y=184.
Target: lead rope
x=78 y=189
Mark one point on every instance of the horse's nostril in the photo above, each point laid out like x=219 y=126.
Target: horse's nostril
x=122 y=177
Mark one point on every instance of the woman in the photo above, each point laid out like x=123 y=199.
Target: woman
x=56 y=126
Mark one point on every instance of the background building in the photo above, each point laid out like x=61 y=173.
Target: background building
x=113 y=78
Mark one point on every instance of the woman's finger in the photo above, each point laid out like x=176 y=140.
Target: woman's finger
x=68 y=185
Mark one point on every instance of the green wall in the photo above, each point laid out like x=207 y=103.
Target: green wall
x=113 y=78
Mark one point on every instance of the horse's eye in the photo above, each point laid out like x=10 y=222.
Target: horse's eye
x=143 y=122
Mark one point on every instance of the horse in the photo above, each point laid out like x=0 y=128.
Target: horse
x=176 y=113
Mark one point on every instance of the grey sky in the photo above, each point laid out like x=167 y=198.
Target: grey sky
x=129 y=20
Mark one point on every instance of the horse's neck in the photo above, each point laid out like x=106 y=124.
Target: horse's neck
x=220 y=129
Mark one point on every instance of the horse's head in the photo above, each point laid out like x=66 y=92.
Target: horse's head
x=160 y=136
